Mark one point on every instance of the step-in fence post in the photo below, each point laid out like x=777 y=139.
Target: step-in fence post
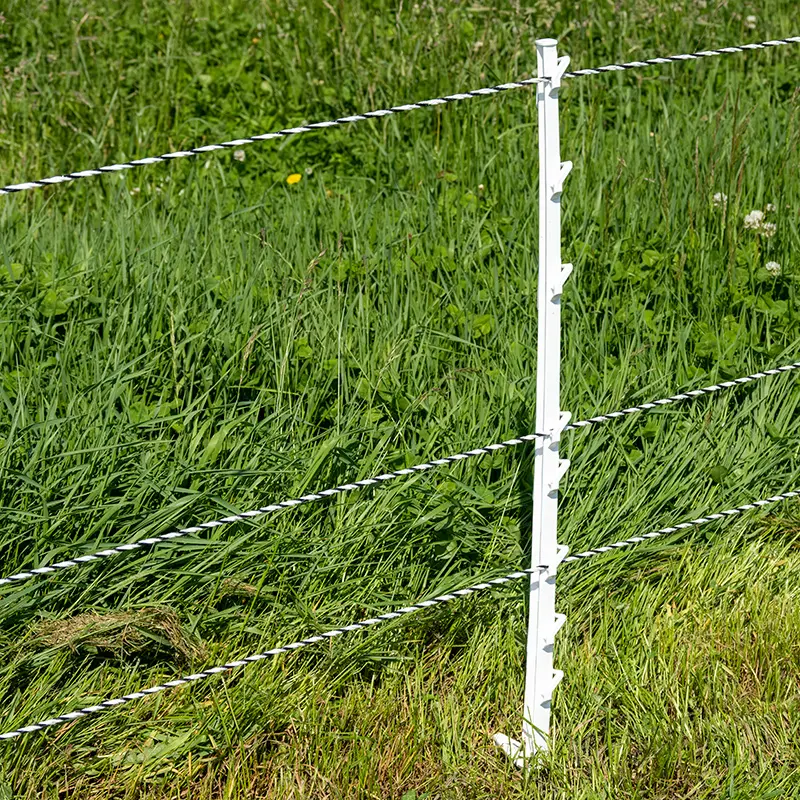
x=543 y=623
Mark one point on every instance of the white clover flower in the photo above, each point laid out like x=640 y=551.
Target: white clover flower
x=238 y=155
x=770 y=207
x=720 y=199
x=768 y=229
x=750 y=22
x=773 y=267
x=754 y=220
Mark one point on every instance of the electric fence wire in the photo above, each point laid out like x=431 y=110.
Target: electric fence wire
x=364 y=624
x=383 y=112
x=441 y=599
x=142 y=544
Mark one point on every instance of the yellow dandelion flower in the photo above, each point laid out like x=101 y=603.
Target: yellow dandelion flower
x=294 y=178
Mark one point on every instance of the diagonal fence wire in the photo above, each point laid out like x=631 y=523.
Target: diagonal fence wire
x=143 y=544
x=364 y=624
x=647 y=62
x=441 y=599
x=383 y=112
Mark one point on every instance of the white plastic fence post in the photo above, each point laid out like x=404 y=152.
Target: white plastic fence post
x=540 y=676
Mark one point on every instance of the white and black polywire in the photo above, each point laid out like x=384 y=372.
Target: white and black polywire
x=384 y=112
x=363 y=624
x=647 y=62
x=364 y=483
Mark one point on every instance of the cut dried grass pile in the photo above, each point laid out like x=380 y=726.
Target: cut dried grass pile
x=147 y=634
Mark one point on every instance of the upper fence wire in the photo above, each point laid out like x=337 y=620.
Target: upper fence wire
x=383 y=112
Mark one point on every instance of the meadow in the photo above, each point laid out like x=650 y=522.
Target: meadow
x=185 y=341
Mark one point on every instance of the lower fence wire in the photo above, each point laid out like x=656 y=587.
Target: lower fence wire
x=364 y=624
x=144 y=544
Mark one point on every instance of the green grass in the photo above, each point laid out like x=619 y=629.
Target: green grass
x=201 y=337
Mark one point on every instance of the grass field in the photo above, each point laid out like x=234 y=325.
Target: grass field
x=191 y=339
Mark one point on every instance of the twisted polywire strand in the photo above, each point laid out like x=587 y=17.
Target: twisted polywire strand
x=433 y=602
x=383 y=112
x=142 y=544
